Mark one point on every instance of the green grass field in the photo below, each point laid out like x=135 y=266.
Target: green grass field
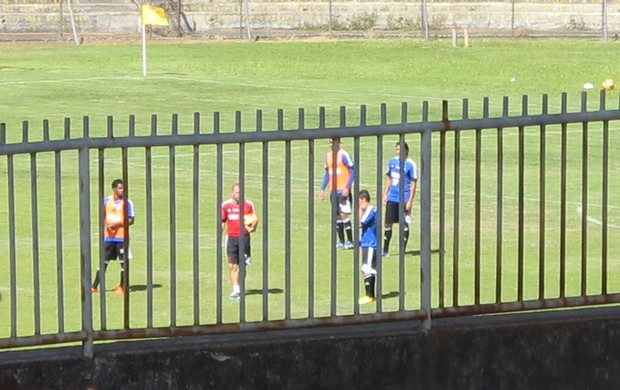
x=57 y=81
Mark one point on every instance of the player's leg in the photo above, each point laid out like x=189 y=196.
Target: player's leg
x=344 y=204
x=120 y=248
x=232 y=251
x=248 y=249
x=369 y=262
x=391 y=216
x=109 y=253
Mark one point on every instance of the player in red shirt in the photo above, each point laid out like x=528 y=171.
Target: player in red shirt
x=232 y=223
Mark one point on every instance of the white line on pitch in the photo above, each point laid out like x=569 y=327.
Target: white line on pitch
x=595 y=221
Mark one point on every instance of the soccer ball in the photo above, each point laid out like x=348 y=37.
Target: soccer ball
x=250 y=220
x=608 y=84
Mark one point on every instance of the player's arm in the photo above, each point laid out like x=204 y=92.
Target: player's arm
x=349 y=163
x=132 y=216
x=412 y=189
x=324 y=184
x=386 y=189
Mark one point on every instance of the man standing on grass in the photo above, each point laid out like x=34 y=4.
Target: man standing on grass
x=391 y=194
x=344 y=175
x=368 y=245
x=114 y=232
x=233 y=224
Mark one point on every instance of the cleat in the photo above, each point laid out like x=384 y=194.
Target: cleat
x=385 y=253
x=120 y=290
x=339 y=245
x=234 y=295
x=366 y=299
x=93 y=289
x=248 y=261
x=348 y=245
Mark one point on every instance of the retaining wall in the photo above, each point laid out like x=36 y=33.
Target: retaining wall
x=576 y=349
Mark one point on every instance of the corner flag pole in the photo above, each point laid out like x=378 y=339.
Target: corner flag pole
x=155 y=16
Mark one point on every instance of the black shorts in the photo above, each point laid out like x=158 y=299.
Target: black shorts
x=232 y=249
x=391 y=213
x=113 y=251
x=344 y=203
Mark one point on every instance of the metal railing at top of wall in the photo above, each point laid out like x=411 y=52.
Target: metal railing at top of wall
x=493 y=227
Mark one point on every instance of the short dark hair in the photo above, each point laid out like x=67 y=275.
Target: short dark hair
x=364 y=195
x=406 y=146
x=116 y=182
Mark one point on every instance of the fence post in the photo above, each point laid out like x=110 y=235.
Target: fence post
x=85 y=249
x=425 y=213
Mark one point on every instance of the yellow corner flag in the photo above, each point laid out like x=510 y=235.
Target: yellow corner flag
x=154 y=15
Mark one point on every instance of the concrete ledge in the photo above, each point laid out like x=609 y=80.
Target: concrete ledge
x=575 y=349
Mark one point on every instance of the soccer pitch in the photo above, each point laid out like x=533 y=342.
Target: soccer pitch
x=57 y=81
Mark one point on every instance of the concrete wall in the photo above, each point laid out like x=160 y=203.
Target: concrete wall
x=577 y=349
x=213 y=16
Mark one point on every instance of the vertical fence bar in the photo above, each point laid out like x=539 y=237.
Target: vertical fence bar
x=288 y=284
x=379 y=203
x=425 y=214
x=148 y=184
x=220 y=248
x=521 y=207
x=60 y=298
x=85 y=244
x=584 y=197
x=125 y=268
x=356 y=223
x=457 y=202
x=332 y=222
x=402 y=225
x=100 y=229
x=196 y=220
x=499 y=207
x=173 y=224
x=242 y=237
x=604 y=198
x=34 y=219
x=542 y=200
x=311 y=213
x=441 y=282
x=563 y=199
x=12 y=236
x=477 y=206
x=265 y=219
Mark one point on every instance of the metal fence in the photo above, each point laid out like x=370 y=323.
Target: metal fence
x=512 y=213
x=86 y=19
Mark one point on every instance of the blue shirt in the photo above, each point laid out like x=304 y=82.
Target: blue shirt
x=393 y=172
x=368 y=237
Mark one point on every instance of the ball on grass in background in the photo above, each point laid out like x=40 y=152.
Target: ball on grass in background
x=608 y=84
x=250 y=220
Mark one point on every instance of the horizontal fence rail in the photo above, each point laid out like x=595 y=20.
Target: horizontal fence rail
x=511 y=213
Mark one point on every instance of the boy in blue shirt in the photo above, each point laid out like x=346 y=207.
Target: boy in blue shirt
x=368 y=245
x=391 y=194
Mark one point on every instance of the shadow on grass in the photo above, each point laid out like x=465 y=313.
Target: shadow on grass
x=142 y=287
x=260 y=292
x=391 y=294
x=417 y=252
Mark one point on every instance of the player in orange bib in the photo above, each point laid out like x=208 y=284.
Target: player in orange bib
x=341 y=188
x=114 y=232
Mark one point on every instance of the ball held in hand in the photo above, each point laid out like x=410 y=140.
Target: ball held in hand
x=250 y=220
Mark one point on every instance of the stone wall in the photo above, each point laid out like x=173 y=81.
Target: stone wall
x=205 y=18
